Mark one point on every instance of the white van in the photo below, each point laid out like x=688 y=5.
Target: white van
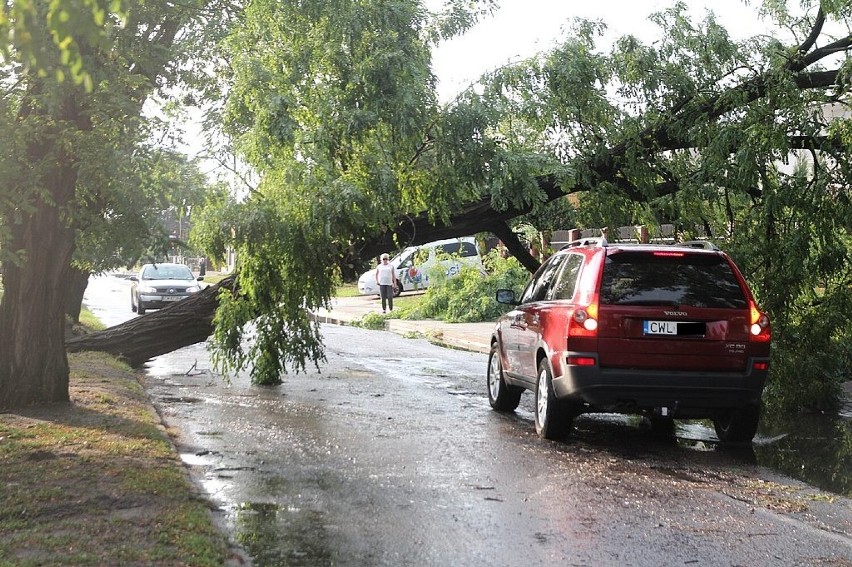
x=415 y=262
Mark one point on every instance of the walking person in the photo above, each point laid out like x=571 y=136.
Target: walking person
x=387 y=282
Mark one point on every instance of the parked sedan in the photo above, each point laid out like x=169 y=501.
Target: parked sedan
x=158 y=285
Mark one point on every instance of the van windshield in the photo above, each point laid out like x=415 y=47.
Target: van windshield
x=403 y=256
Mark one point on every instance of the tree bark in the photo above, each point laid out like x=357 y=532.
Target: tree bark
x=181 y=324
x=33 y=362
x=77 y=283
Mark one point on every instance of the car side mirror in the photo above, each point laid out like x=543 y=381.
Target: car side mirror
x=506 y=296
x=200 y=278
x=134 y=279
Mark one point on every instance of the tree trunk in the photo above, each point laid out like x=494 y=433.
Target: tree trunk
x=33 y=364
x=77 y=283
x=181 y=324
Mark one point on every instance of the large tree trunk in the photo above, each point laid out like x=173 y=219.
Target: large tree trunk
x=181 y=324
x=33 y=363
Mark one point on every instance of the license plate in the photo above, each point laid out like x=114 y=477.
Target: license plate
x=171 y=298
x=660 y=327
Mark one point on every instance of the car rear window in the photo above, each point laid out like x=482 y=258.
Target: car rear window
x=698 y=280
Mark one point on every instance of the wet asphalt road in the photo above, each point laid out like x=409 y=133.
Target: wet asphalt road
x=390 y=455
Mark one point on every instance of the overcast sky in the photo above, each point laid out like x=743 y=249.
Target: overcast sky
x=521 y=28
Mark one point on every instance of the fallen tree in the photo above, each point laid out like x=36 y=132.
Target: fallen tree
x=191 y=321
x=182 y=324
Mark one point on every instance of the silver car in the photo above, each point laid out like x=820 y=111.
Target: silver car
x=158 y=285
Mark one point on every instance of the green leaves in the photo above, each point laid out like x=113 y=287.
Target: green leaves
x=73 y=28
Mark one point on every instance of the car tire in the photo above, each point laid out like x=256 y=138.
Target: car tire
x=738 y=425
x=139 y=307
x=552 y=418
x=132 y=304
x=397 y=291
x=501 y=396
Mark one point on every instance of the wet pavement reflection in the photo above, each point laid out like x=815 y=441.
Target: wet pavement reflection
x=814 y=448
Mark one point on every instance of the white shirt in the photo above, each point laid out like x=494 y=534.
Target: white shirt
x=385 y=274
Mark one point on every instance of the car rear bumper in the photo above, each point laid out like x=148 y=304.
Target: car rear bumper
x=683 y=394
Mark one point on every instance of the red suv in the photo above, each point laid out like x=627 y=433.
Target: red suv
x=658 y=330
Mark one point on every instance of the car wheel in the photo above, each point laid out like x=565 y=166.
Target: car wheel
x=552 y=420
x=132 y=304
x=737 y=425
x=139 y=307
x=501 y=396
x=397 y=291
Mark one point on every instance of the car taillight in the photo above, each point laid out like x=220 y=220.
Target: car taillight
x=761 y=365
x=584 y=321
x=580 y=360
x=759 y=329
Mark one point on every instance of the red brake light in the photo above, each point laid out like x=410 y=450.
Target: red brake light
x=759 y=329
x=761 y=365
x=669 y=254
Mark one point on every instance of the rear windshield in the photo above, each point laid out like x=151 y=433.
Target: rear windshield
x=698 y=280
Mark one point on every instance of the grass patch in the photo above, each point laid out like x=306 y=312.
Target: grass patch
x=347 y=290
x=214 y=278
x=97 y=482
x=88 y=320
x=406 y=302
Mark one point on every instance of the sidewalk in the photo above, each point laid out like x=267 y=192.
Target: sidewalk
x=473 y=337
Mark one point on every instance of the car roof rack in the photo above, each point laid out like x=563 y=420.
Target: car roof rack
x=703 y=244
x=591 y=241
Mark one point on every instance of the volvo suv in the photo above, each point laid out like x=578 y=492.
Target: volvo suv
x=664 y=331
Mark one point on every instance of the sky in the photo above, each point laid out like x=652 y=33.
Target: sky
x=522 y=28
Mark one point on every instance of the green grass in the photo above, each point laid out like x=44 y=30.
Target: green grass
x=406 y=302
x=347 y=290
x=214 y=278
x=88 y=320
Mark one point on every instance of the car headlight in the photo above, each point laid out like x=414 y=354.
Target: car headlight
x=193 y=289
x=147 y=289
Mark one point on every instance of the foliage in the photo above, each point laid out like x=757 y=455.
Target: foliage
x=72 y=32
x=469 y=296
x=331 y=108
x=373 y=321
x=337 y=113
